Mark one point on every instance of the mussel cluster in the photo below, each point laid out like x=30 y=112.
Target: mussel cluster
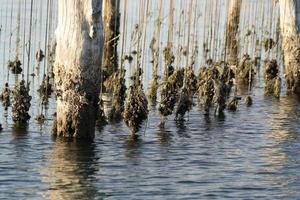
x=21 y=103
x=45 y=89
x=245 y=71
x=169 y=91
x=116 y=84
x=184 y=104
x=272 y=79
x=214 y=87
x=5 y=96
x=191 y=80
x=152 y=90
x=136 y=105
x=1 y=127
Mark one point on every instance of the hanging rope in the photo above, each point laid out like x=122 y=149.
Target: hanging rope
x=29 y=42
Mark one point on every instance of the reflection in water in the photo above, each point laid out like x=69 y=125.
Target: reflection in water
x=283 y=135
x=164 y=137
x=19 y=133
x=71 y=170
x=132 y=146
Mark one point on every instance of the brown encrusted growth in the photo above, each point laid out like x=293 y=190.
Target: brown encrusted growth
x=21 y=104
x=292 y=64
x=152 y=90
x=245 y=71
x=136 y=106
x=233 y=104
x=45 y=89
x=191 y=80
x=169 y=91
x=272 y=79
x=220 y=96
x=205 y=89
x=15 y=66
x=116 y=85
x=248 y=101
x=168 y=56
x=5 y=96
x=154 y=85
x=214 y=87
x=185 y=104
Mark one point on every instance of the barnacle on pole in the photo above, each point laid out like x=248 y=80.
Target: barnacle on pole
x=272 y=79
x=269 y=44
x=39 y=55
x=15 y=66
x=5 y=96
x=21 y=104
x=40 y=118
x=136 y=105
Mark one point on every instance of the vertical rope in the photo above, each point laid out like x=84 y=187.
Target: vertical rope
x=29 y=41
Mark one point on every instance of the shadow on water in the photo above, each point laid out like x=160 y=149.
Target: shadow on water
x=71 y=170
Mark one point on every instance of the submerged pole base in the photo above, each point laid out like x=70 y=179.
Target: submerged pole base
x=75 y=121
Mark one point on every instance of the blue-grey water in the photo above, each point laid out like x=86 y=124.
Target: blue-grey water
x=250 y=154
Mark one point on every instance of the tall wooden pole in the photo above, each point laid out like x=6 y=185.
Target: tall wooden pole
x=79 y=37
x=289 y=27
x=232 y=31
x=111 y=23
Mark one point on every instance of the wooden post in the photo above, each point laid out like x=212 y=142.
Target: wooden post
x=111 y=22
x=232 y=31
x=79 y=37
x=289 y=22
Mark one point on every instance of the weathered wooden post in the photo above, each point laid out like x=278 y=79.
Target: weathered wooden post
x=289 y=27
x=79 y=36
x=232 y=31
x=111 y=25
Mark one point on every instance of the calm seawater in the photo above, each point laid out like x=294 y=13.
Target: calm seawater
x=251 y=154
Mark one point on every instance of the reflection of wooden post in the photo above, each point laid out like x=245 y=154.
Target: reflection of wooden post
x=289 y=10
x=69 y=170
x=79 y=37
x=111 y=22
x=232 y=31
